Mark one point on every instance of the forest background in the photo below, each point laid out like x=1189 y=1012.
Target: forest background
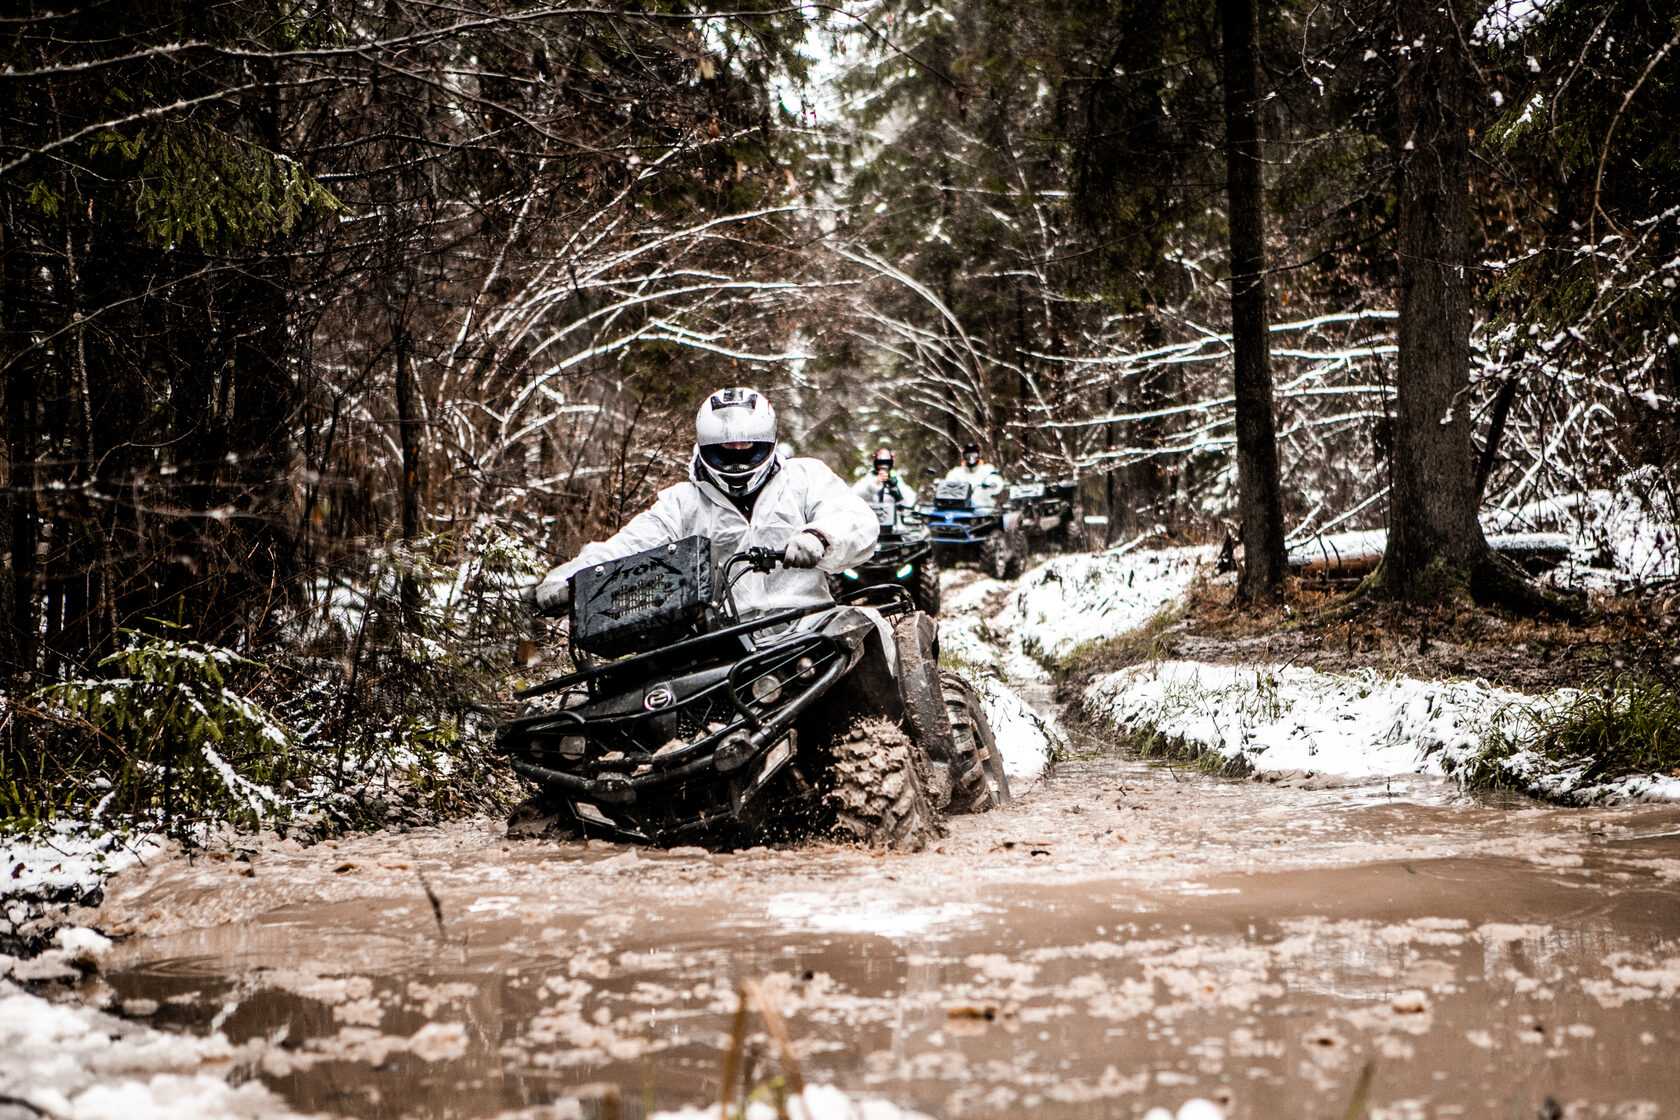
x=325 y=326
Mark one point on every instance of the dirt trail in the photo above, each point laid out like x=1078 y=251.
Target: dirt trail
x=1122 y=936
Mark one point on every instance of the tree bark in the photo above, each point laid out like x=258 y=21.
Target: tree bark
x=1259 y=500
x=408 y=437
x=1434 y=539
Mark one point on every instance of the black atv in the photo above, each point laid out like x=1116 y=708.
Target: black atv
x=1044 y=513
x=964 y=530
x=686 y=723
x=903 y=555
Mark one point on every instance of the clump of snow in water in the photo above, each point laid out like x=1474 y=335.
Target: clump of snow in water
x=1087 y=597
x=817 y=1102
x=81 y=1064
x=825 y=1102
x=1359 y=724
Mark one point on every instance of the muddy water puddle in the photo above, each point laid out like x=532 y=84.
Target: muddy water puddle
x=1123 y=936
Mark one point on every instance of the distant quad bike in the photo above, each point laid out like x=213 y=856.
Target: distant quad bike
x=1044 y=513
x=687 y=724
x=965 y=531
x=903 y=556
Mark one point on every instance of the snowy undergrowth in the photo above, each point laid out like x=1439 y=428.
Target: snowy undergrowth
x=1357 y=725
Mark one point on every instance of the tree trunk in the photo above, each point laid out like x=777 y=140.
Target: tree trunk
x=1434 y=540
x=1259 y=501
x=408 y=436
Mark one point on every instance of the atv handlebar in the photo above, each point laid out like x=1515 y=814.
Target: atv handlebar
x=757 y=558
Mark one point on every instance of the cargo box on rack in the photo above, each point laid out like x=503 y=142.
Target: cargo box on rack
x=642 y=601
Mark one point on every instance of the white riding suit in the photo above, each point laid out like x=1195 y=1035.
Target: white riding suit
x=877 y=493
x=801 y=494
x=985 y=479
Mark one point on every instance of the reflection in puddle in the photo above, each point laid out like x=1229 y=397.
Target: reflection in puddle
x=1127 y=937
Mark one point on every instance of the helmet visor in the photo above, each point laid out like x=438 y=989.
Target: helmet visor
x=735 y=458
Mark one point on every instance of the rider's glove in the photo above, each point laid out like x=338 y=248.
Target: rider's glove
x=552 y=595
x=805 y=549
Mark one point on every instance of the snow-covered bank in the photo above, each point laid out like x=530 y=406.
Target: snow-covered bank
x=1358 y=725
x=43 y=875
x=1086 y=597
x=979 y=636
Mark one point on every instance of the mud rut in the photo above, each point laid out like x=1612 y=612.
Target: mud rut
x=1121 y=936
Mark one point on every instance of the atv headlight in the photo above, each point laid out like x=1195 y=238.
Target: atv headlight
x=904 y=571
x=767 y=689
x=805 y=668
x=850 y=573
x=573 y=746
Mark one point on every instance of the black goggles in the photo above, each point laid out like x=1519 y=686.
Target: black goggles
x=735 y=460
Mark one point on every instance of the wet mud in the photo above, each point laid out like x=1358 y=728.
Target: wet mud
x=1122 y=936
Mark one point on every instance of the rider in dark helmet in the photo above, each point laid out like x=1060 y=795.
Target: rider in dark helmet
x=882 y=484
x=978 y=473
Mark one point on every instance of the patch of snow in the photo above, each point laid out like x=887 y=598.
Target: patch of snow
x=1027 y=740
x=1358 y=724
x=1361 y=724
x=81 y=1064
x=1506 y=20
x=990 y=643
x=45 y=873
x=818 y=1102
x=1086 y=597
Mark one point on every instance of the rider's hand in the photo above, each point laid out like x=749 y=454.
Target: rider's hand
x=552 y=595
x=805 y=549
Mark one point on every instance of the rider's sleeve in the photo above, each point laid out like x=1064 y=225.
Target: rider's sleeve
x=667 y=520
x=839 y=515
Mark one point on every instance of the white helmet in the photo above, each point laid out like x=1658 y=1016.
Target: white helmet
x=735 y=441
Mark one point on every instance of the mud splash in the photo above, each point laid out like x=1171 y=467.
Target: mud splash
x=1121 y=937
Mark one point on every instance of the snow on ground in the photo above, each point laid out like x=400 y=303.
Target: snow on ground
x=1358 y=725
x=1026 y=739
x=979 y=626
x=1087 y=597
x=978 y=635
x=75 y=1063
x=43 y=874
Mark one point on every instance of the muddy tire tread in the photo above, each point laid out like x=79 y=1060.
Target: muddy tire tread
x=927 y=592
x=978 y=781
x=879 y=796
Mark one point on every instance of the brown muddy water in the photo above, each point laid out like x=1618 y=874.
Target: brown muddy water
x=1123 y=936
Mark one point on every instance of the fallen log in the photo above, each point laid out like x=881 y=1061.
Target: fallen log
x=1348 y=556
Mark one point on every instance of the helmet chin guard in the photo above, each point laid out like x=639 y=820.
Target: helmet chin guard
x=735 y=441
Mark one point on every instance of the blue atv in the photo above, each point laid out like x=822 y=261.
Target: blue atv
x=967 y=530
